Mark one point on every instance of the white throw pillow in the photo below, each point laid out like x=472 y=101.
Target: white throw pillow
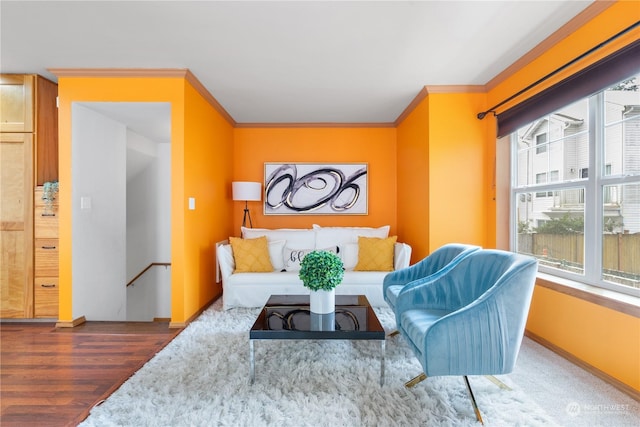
x=296 y=237
x=349 y=254
x=276 y=250
x=293 y=257
x=330 y=236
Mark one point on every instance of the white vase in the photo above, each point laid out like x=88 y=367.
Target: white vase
x=322 y=302
x=322 y=322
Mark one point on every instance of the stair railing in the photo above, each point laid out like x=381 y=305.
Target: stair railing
x=153 y=264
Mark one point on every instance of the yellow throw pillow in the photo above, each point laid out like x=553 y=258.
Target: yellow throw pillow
x=375 y=254
x=251 y=255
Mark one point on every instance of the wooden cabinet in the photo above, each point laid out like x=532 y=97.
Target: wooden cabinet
x=28 y=157
x=28 y=105
x=45 y=283
x=45 y=297
x=16 y=103
x=16 y=225
x=46 y=122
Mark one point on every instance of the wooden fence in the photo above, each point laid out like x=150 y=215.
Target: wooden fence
x=621 y=251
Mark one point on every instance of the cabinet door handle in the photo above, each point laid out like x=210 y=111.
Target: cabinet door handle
x=48 y=214
x=48 y=285
x=48 y=247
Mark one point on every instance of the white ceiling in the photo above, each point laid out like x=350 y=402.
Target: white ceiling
x=287 y=62
x=149 y=119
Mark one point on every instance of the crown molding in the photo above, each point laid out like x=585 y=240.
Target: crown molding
x=315 y=125
x=412 y=106
x=432 y=89
x=184 y=73
x=191 y=78
x=119 y=72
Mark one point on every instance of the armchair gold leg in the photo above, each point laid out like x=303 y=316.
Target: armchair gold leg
x=498 y=382
x=393 y=334
x=412 y=382
x=473 y=400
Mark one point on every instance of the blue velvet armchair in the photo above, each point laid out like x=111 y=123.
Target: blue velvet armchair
x=438 y=261
x=471 y=319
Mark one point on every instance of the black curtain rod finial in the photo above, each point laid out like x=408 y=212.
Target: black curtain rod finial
x=484 y=113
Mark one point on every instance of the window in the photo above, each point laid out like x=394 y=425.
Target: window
x=541 y=178
x=582 y=163
x=610 y=191
x=541 y=143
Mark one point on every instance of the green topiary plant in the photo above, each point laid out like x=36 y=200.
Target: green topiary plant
x=321 y=270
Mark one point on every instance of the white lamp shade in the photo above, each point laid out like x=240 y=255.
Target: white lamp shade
x=243 y=190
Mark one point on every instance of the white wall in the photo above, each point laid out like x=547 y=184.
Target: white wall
x=98 y=158
x=142 y=206
x=148 y=227
x=163 y=181
x=150 y=296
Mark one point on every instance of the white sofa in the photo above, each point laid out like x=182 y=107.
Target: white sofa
x=287 y=247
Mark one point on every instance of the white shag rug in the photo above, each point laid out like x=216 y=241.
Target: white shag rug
x=202 y=379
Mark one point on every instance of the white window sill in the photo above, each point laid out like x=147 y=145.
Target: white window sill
x=623 y=303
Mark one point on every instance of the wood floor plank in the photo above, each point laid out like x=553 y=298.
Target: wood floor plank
x=53 y=376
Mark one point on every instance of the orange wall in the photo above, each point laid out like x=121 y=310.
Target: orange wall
x=197 y=133
x=458 y=170
x=444 y=170
x=374 y=146
x=207 y=170
x=603 y=338
x=413 y=180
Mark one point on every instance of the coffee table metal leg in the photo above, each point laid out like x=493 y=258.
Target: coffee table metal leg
x=382 y=349
x=252 y=363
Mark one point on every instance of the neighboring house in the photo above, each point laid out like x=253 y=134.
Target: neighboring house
x=555 y=149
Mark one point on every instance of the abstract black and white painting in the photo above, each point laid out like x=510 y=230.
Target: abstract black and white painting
x=315 y=188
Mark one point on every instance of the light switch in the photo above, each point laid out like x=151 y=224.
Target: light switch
x=192 y=203
x=85 y=203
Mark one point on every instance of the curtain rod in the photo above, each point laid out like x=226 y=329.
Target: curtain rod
x=557 y=70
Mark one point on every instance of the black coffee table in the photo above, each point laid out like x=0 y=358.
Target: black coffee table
x=287 y=317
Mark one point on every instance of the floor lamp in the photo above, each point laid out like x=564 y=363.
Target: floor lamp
x=247 y=191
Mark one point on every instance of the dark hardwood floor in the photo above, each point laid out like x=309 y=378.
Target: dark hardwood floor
x=53 y=376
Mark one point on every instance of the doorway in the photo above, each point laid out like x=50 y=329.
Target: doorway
x=121 y=187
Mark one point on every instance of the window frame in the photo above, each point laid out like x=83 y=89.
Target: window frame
x=594 y=186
